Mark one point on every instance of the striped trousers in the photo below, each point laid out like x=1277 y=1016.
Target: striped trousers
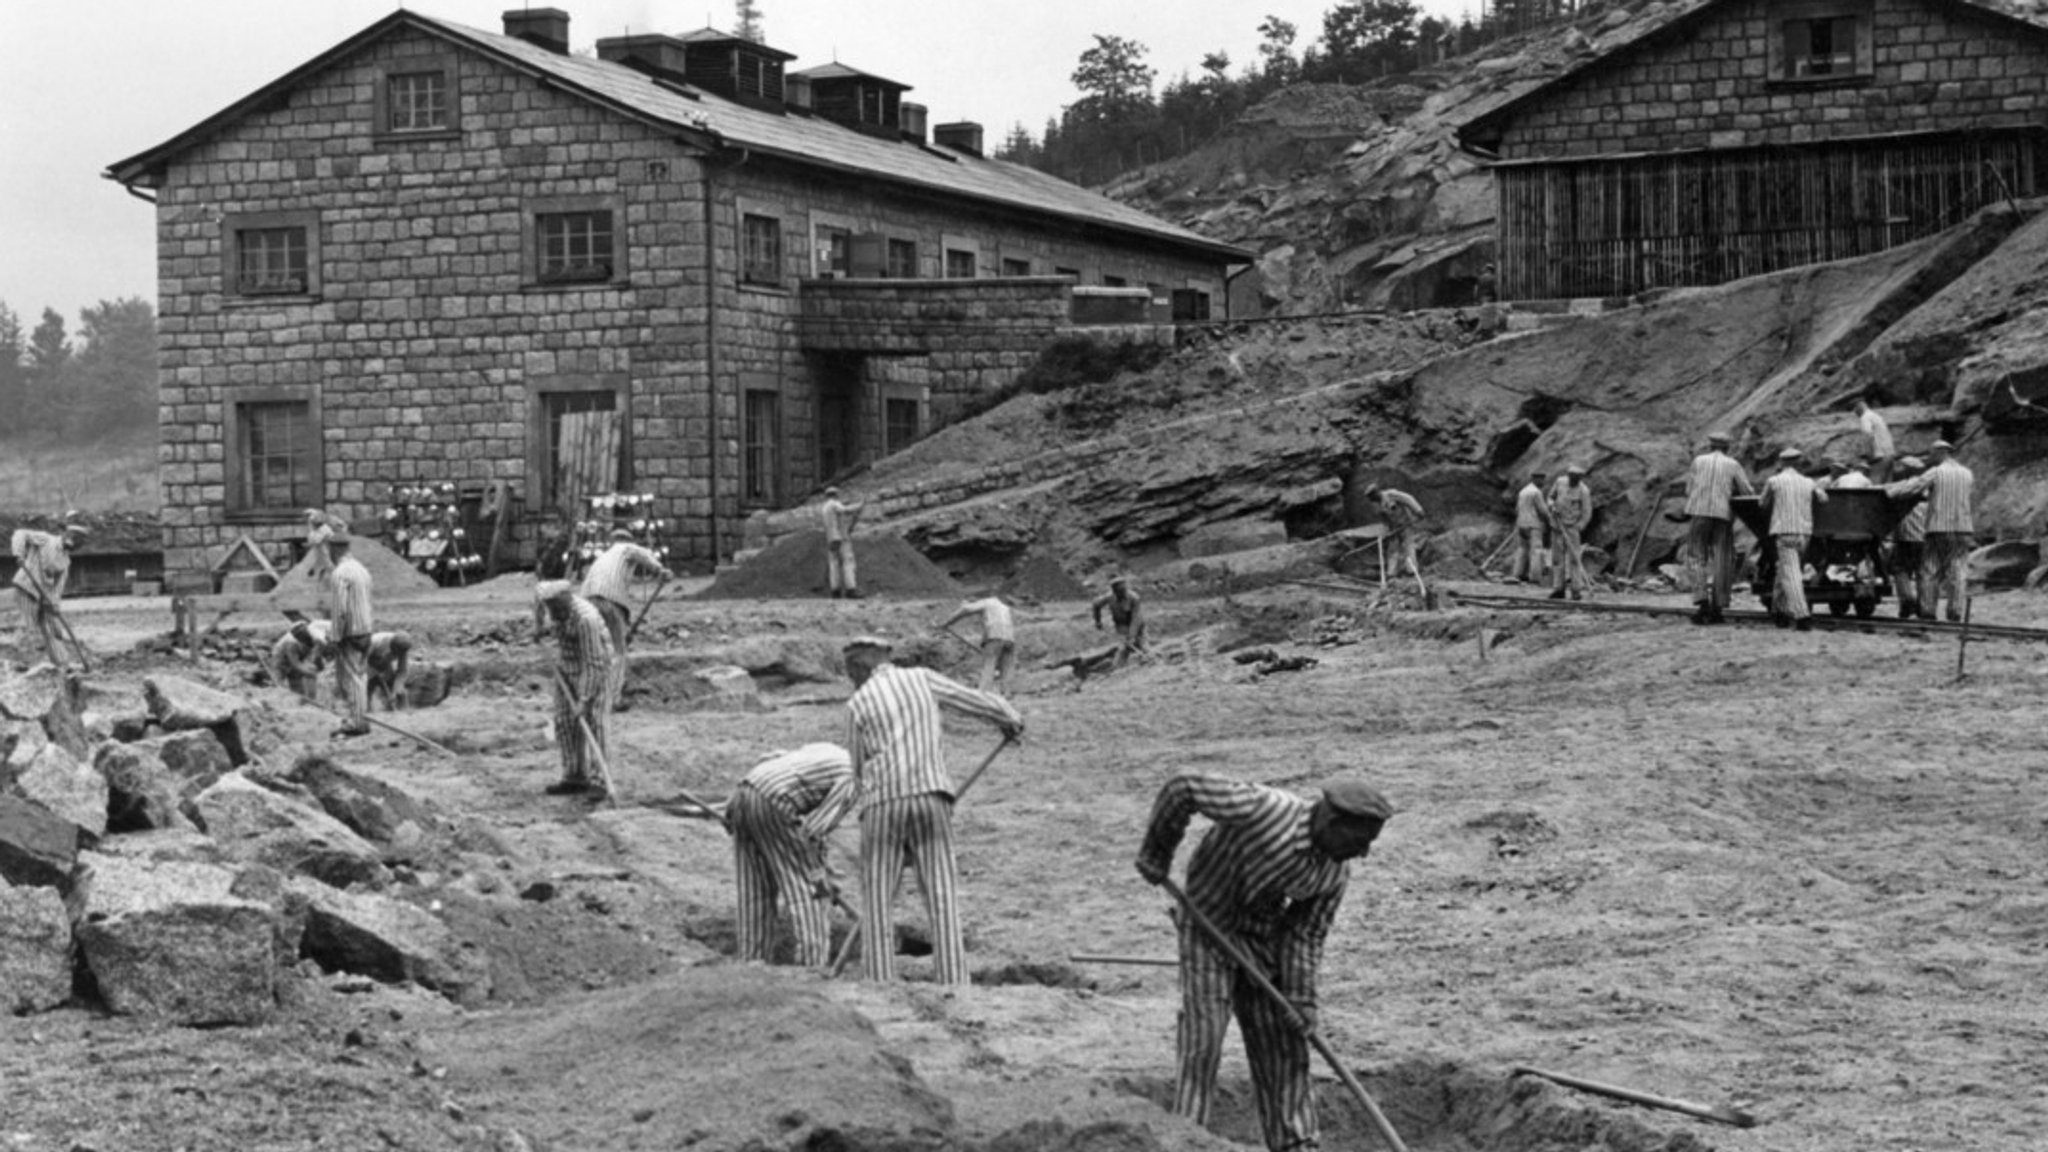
x=577 y=762
x=1945 y=560
x=616 y=617
x=1788 y=592
x=921 y=828
x=352 y=678
x=769 y=855
x=1710 y=559
x=1211 y=991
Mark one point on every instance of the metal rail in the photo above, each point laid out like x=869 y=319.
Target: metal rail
x=1826 y=623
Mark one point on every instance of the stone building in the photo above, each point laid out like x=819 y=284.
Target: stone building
x=1738 y=137
x=677 y=267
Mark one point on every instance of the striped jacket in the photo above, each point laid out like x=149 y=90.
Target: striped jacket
x=611 y=574
x=352 y=620
x=1790 y=496
x=894 y=734
x=797 y=782
x=1715 y=478
x=1947 y=486
x=584 y=649
x=1255 y=873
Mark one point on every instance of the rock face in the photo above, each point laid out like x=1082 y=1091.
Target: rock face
x=390 y=940
x=179 y=705
x=37 y=847
x=2006 y=564
x=73 y=791
x=254 y=824
x=35 y=950
x=142 y=791
x=198 y=758
x=369 y=807
x=171 y=940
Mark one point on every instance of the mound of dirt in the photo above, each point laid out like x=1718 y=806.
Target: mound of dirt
x=795 y=566
x=1041 y=578
x=390 y=573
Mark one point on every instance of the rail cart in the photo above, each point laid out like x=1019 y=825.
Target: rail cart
x=1848 y=566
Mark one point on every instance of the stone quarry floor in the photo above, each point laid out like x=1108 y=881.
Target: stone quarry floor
x=1799 y=874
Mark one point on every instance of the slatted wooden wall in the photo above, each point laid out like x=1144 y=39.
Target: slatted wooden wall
x=1616 y=227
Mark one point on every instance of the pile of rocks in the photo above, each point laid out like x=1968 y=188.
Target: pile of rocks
x=151 y=863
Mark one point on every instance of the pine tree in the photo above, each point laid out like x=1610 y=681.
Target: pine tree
x=750 y=20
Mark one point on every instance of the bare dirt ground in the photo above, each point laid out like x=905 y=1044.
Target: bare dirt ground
x=1801 y=874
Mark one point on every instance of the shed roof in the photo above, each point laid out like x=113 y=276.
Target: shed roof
x=705 y=119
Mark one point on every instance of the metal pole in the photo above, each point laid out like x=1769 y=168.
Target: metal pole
x=1258 y=977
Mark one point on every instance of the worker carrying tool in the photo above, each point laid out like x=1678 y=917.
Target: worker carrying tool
x=775 y=860
x=582 y=688
x=1126 y=612
x=998 y=640
x=1267 y=878
x=354 y=624
x=607 y=585
x=1403 y=516
x=42 y=568
x=1710 y=535
x=300 y=654
x=905 y=797
x=390 y=658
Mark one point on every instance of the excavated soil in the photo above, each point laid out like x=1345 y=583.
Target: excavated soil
x=1797 y=874
x=796 y=566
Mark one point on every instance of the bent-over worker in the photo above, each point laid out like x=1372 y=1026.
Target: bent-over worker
x=998 y=640
x=1403 y=516
x=300 y=654
x=1571 y=509
x=774 y=859
x=1126 y=614
x=905 y=798
x=390 y=658
x=42 y=569
x=582 y=689
x=353 y=627
x=608 y=588
x=1945 y=555
x=1715 y=479
x=1789 y=496
x=1270 y=875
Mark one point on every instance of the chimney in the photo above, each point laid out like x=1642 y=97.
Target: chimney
x=960 y=135
x=546 y=27
x=912 y=118
x=650 y=53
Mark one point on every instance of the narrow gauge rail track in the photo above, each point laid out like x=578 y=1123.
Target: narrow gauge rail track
x=1823 y=623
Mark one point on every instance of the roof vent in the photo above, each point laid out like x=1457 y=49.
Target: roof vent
x=651 y=53
x=960 y=135
x=546 y=27
x=912 y=119
x=796 y=89
x=737 y=68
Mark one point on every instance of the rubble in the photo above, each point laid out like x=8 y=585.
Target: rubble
x=370 y=808
x=170 y=940
x=35 y=950
x=37 y=847
x=389 y=940
x=180 y=705
x=142 y=791
x=255 y=824
x=71 y=790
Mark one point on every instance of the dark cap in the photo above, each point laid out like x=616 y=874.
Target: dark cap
x=1721 y=438
x=868 y=644
x=622 y=534
x=1357 y=799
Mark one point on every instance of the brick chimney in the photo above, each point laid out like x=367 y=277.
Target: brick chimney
x=960 y=135
x=546 y=27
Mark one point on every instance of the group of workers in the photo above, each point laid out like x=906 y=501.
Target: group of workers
x=1551 y=522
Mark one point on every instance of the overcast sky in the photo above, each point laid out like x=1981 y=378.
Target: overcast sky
x=86 y=83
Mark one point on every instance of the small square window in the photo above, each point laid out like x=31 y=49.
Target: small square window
x=574 y=247
x=271 y=261
x=1012 y=266
x=834 y=251
x=959 y=264
x=902 y=259
x=1822 y=47
x=416 y=101
x=761 y=250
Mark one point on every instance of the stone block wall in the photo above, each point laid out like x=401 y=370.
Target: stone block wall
x=1933 y=67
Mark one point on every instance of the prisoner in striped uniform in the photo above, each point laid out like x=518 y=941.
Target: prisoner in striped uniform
x=1945 y=556
x=1909 y=535
x=582 y=688
x=905 y=798
x=42 y=567
x=774 y=859
x=1789 y=497
x=1270 y=875
x=1710 y=534
x=608 y=587
x=390 y=660
x=353 y=626
x=1571 y=509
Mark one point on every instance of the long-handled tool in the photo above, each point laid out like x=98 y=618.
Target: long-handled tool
x=46 y=606
x=1257 y=976
x=961 y=791
x=604 y=768
x=1148 y=961
x=278 y=681
x=1963 y=640
x=634 y=628
x=1731 y=1116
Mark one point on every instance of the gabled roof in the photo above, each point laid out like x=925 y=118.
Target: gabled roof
x=707 y=120
x=710 y=35
x=837 y=71
x=1484 y=130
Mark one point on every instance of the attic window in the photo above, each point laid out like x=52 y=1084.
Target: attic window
x=1823 y=44
x=417 y=98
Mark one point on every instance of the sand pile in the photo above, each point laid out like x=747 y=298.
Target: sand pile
x=390 y=574
x=795 y=566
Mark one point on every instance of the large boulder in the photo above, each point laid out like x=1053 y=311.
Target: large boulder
x=197 y=758
x=180 y=705
x=727 y=687
x=426 y=684
x=142 y=791
x=255 y=824
x=35 y=950
x=172 y=940
x=2006 y=564
x=390 y=940
x=113 y=710
x=369 y=807
x=37 y=846
x=75 y=791
x=30 y=695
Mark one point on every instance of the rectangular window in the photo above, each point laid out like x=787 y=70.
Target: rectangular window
x=959 y=264
x=1072 y=273
x=278 y=447
x=1821 y=47
x=761 y=448
x=900 y=422
x=1012 y=266
x=834 y=252
x=272 y=261
x=574 y=247
x=1190 y=306
x=902 y=259
x=760 y=250
x=416 y=101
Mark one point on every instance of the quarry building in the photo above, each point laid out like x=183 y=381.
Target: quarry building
x=679 y=266
x=1740 y=137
